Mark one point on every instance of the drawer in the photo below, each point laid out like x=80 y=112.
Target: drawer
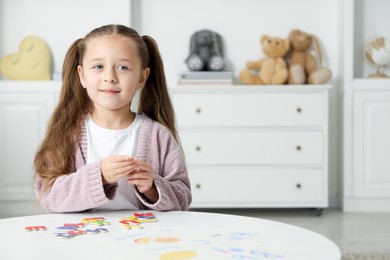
x=234 y=147
x=251 y=186
x=250 y=109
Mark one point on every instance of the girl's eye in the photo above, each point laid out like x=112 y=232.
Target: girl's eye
x=99 y=67
x=122 y=68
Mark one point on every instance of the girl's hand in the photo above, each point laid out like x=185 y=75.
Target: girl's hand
x=143 y=178
x=116 y=166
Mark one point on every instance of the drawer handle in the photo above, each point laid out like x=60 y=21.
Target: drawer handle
x=299 y=110
x=198 y=110
x=298 y=185
x=197 y=148
x=299 y=148
x=198 y=186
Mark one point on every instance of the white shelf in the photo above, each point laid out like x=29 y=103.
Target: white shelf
x=249 y=88
x=364 y=20
x=29 y=86
x=371 y=84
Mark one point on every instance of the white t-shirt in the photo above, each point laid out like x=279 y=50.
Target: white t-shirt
x=104 y=142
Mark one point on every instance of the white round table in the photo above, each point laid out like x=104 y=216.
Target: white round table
x=176 y=235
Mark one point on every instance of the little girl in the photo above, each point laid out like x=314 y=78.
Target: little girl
x=97 y=153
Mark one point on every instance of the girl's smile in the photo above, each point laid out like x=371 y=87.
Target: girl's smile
x=110 y=91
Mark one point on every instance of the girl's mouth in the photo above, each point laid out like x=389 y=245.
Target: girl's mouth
x=110 y=91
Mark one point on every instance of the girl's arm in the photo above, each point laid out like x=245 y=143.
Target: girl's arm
x=172 y=184
x=75 y=192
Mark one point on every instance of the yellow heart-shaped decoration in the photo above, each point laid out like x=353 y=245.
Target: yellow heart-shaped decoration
x=32 y=62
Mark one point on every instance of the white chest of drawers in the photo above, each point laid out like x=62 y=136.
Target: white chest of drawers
x=255 y=146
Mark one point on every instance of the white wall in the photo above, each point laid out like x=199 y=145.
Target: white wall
x=241 y=24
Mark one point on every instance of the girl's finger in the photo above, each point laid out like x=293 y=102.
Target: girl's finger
x=123 y=171
x=140 y=174
x=135 y=181
x=137 y=177
x=143 y=167
x=119 y=165
x=119 y=158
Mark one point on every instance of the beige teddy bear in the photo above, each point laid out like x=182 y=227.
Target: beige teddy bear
x=303 y=66
x=271 y=69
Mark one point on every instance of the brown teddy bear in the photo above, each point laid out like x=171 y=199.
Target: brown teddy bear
x=269 y=70
x=303 y=65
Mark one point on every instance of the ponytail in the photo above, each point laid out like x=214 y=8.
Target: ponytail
x=73 y=96
x=154 y=99
x=61 y=138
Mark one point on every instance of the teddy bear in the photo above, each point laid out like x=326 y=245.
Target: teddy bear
x=270 y=70
x=206 y=52
x=301 y=63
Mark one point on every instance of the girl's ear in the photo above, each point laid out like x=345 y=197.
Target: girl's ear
x=143 y=78
x=81 y=75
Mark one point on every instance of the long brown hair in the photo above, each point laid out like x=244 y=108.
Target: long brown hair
x=56 y=155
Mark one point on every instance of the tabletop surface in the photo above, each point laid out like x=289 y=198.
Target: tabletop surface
x=175 y=235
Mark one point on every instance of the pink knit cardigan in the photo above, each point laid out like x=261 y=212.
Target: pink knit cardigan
x=84 y=189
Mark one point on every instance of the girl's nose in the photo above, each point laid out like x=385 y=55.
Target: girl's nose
x=112 y=80
x=110 y=76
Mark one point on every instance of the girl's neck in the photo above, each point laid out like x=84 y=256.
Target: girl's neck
x=113 y=120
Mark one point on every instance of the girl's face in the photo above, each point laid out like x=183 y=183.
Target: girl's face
x=111 y=72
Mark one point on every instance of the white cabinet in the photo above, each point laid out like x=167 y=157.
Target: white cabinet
x=25 y=108
x=372 y=143
x=366 y=112
x=367 y=146
x=257 y=146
